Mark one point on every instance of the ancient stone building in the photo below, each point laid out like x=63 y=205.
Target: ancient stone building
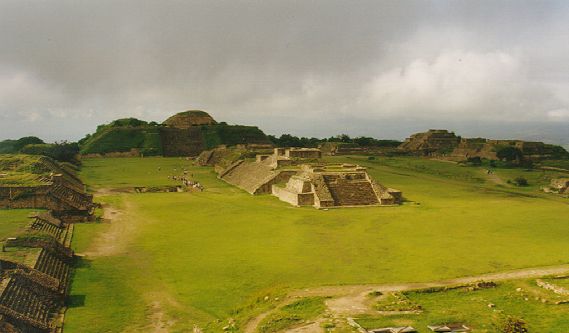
x=324 y=186
x=442 y=143
x=298 y=153
x=432 y=142
x=259 y=175
x=60 y=191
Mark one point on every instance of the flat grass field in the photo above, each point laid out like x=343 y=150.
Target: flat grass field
x=181 y=259
x=13 y=222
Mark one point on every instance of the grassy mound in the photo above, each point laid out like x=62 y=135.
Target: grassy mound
x=123 y=135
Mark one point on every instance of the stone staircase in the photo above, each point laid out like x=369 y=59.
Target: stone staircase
x=249 y=176
x=53 y=266
x=71 y=197
x=28 y=310
x=346 y=192
x=53 y=227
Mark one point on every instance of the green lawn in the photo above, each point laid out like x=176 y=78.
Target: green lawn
x=13 y=222
x=214 y=255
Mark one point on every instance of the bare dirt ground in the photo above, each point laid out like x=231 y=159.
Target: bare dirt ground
x=495 y=179
x=113 y=240
x=353 y=300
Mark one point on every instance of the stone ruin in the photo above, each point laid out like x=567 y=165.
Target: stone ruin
x=442 y=143
x=306 y=181
x=258 y=176
x=325 y=186
x=35 y=275
x=431 y=142
x=61 y=192
x=559 y=185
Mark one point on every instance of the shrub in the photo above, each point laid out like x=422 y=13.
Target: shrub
x=512 y=324
x=62 y=151
x=476 y=161
x=521 y=181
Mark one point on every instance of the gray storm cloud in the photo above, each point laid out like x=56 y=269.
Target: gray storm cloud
x=380 y=68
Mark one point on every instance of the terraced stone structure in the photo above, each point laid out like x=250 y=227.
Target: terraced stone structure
x=45 y=184
x=259 y=175
x=35 y=272
x=325 y=186
x=442 y=143
x=434 y=141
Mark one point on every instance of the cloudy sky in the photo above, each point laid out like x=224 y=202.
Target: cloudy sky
x=313 y=68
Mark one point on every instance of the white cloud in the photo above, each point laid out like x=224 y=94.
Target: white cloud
x=558 y=115
x=456 y=83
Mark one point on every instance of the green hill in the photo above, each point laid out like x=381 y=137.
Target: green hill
x=151 y=139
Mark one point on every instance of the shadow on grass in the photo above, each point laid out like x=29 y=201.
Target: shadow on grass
x=81 y=262
x=75 y=301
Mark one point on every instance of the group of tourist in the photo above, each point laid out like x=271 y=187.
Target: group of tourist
x=186 y=180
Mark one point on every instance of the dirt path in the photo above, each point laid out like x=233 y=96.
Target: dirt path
x=113 y=240
x=495 y=178
x=353 y=300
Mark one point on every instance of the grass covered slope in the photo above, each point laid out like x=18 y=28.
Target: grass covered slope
x=123 y=135
x=22 y=170
x=216 y=254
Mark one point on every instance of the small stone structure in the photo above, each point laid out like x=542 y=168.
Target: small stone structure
x=335 y=186
x=298 y=153
x=452 y=328
x=402 y=329
x=560 y=185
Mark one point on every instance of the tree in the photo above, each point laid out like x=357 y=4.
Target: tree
x=61 y=151
x=509 y=154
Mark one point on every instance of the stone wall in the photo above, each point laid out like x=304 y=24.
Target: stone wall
x=182 y=142
x=34 y=197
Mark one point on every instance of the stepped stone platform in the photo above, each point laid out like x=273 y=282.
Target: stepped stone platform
x=335 y=186
x=65 y=198
x=259 y=175
x=431 y=142
x=35 y=273
x=289 y=175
